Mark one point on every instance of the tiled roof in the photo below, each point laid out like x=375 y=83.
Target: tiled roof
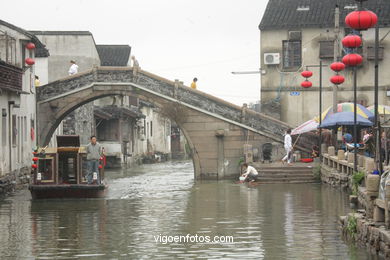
x=40 y=50
x=295 y=14
x=61 y=32
x=114 y=55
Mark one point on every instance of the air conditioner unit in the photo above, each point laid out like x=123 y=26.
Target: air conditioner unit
x=271 y=58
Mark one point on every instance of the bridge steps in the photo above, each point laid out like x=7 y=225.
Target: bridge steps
x=278 y=173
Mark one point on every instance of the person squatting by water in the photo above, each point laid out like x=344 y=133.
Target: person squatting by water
x=250 y=173
x=288 y=147
x=94 y=152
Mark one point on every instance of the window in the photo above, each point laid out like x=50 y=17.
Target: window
x=151 y=128
x=326 y=49
x=25 y=129
x=4 y=127
x=14 y=130
x=45 y=167
x=292 y=54
x=371 y=52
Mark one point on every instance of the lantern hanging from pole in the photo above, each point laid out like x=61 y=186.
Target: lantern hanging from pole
x=30 y=61
x=337 y=79
x=35 y=159
x=352 y=59
x=306 y=84
x=352 y=41
x=307 y=74
x=34 y=166
x=337 y=66
x=30 y=46
x=361 y=20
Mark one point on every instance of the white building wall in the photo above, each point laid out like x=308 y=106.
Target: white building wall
x=298 y=109
x=16 y=155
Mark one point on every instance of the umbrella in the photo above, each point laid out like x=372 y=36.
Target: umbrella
x=344 y=119
x=348 y=107
x=382 y=110
x=305 y=127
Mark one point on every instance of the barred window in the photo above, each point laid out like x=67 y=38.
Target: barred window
x=292 y=54
x=326 y=49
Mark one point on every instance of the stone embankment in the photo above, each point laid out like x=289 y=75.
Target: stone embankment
x=368 y=226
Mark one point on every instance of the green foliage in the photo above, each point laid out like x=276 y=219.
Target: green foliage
x=357 y=179
x=352 y=225
x=317 y=172
x=188 y=149
x=240 y=161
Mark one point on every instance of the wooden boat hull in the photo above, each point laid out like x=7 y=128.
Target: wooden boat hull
x=67 y=191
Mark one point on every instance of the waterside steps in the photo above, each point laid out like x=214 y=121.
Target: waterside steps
x=279 y=173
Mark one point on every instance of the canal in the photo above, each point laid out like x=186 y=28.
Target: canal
x=296 y=221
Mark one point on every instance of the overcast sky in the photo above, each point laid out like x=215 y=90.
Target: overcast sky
x=176 y=39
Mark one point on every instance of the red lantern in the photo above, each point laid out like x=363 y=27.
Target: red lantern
x=30 y=46
x=307 y=74
x=361 y=20
x=352 y=41
x=30 y=61
x=306 y=84
x=34 y=166
x=352 y=59
x=337 y=66
x=337 y=79
x=100 y=166
x=35 y=159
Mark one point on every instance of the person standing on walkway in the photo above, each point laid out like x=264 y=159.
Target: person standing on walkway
x=74 y=68
x=94 y=152
x=193 y=84
x=135 y=61
x=288 y=147
x=37 y=83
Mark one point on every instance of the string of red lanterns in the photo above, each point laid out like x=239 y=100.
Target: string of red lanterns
x=357 y=20
x=306 y=74
x=29 y=61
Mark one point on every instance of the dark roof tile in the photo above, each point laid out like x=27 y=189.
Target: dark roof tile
x=283 y=14
x=114 y=55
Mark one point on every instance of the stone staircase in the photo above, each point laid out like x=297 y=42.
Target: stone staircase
x=278 y=173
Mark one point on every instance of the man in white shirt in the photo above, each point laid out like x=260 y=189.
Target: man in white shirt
x=250 y=173
x=288 y=147
x=74 y=68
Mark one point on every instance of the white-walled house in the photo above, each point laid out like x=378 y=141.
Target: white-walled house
x=294 y=34
x=17 y=102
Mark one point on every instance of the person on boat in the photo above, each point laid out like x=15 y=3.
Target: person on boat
x=94 y=152
x=250 y=173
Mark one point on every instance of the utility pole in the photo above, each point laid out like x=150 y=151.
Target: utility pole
x=336 y=53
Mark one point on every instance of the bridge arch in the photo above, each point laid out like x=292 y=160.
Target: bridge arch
x=76 y=100
x=215 y=130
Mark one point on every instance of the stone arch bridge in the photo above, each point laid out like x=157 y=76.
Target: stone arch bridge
x=216 y=130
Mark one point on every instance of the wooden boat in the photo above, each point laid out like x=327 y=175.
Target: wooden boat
x=61 y=172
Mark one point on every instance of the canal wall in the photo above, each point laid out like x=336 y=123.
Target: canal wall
x=356 y=227
x=16 y=180
x=368 y=227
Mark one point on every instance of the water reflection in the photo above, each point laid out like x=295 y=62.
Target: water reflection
x=267 y=222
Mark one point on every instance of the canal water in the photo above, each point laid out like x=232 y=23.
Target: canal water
x=296 y=221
